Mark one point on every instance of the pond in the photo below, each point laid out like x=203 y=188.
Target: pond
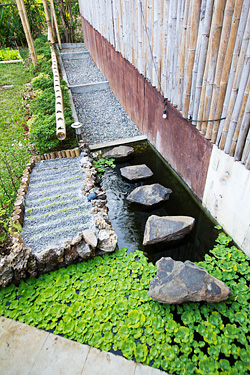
x=129 y=219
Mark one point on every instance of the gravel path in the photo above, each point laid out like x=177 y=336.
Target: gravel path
x=82 y=71
x=103 y=117
x=56 y=210
x=101 y=113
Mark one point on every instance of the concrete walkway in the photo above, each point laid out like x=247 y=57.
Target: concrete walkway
x=25 y=350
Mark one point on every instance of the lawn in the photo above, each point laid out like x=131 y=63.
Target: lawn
x=15 y=149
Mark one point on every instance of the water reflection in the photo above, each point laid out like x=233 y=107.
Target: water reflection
x=128 y=219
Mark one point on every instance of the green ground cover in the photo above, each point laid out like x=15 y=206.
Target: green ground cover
x=104 y=303
x=9 y=54
x=15 y=149
x=27 y=123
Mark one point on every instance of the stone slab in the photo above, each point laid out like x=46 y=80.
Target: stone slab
x=73 y=55
x=136 y=172
x=147 y=370
x=89 y=87
x=99 y=146
x=4 y=325
x=60 y=356
x=104 y=363
x=19 y=348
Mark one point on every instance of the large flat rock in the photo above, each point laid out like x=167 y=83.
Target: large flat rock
x=166 y=228
x=177 y=282
x=149 y=195
x=136 y=172
x=119 y=152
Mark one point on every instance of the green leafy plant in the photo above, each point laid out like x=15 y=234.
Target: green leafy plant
x=103 y=302
x=103 y=163
x=9 y=54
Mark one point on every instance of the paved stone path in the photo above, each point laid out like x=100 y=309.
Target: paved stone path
x=25 y=350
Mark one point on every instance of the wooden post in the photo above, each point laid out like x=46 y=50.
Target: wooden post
x=52 y=6
x=48 y=21
x=26 y=28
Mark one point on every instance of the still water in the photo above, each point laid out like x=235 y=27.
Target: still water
x=129 y=219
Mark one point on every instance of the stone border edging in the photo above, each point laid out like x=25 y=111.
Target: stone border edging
x=22 y=263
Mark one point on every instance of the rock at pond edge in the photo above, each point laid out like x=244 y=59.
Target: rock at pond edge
x=166 y=228
x=177 y=282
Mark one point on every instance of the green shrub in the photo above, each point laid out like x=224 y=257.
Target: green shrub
x=104 y=303
x=42 y=125
x=9 y=54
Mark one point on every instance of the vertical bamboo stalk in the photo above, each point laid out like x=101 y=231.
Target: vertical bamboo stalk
x=26 y=28
x=201 y=74
x=191 y=55
x=52 y=6
x=240 y=104
x=48 y=21
x=241 y=137
x=182 y=56
x=234 y=78
x=228 y=60
x=225 y=36
x=239 y=86
x=197 y=57
x=213 y=48
x=164 y=50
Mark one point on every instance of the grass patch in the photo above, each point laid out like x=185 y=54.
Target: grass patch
x=15 y=149
x=104 y=303
x=9 y=54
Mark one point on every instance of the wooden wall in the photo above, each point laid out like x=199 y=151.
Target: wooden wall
x=196 y=53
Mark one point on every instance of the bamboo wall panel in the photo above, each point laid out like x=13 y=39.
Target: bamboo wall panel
x=196 y=53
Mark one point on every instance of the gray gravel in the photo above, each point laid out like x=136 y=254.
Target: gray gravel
x=82 y=71
x=103 y=117
x=101 y=113
x=56 y=210
x=78 y=49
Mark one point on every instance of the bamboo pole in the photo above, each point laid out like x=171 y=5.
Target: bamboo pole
x=197 y=56
x=48 y=21
x=226 y=68
x=226 y=35
x=246 y=148
x=60 y=122
x=191 y=55
x=236 y=120
x=239 y=86
x=26 y=28
x=201 y=74
x=213 y=48
x=241 y=137
x=52 y=6
x=182 y=55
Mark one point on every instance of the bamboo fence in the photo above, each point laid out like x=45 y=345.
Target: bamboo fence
x=195 y=52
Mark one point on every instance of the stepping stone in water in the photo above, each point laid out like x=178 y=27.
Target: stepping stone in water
x=166 y=228
x=177 y=282
x=136 y=172
x=120 y=152
x=149 y=195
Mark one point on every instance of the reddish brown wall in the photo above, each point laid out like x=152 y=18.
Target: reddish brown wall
x=179 y=142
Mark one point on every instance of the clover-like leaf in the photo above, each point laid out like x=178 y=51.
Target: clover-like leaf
x=141 y=352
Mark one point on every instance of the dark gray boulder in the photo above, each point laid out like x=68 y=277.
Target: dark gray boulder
x=149 y=195
x=177 y=282
x=166 y=228
x=120 y=152
x=136 y=172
